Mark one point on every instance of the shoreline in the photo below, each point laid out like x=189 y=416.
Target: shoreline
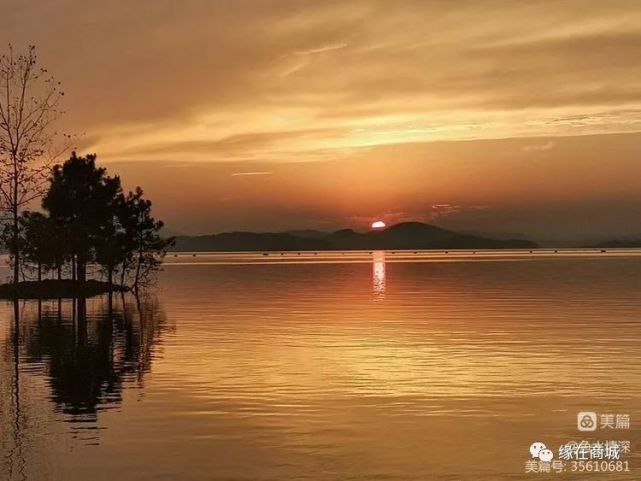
x=57 y=289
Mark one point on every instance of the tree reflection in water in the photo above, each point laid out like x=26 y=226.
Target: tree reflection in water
x=89 y=350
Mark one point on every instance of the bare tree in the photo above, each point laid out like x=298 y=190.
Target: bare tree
x=29 y=105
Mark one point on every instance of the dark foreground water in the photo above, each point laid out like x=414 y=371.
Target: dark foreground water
x=326 y=367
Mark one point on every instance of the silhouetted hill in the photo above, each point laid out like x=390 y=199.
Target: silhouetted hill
x=307 y=233
x=248 y=241
x=620 y=243
x=407 y=235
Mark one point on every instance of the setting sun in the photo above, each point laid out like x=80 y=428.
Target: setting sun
x=379 y=224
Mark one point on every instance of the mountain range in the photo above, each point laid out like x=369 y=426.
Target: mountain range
x=406 y=235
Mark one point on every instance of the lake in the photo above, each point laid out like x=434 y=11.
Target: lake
x=327 y=366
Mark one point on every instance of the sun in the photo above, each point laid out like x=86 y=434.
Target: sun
x=378 y=224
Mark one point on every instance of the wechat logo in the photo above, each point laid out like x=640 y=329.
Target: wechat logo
x=539 y=450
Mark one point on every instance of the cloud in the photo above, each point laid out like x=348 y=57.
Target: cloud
x=444 y=210
x=294 y=68
x=159 y=81
x=241 y=174
x=323 y=49
x=539 y=147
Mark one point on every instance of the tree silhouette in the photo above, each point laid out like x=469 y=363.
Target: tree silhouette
x=88 y=220
x=29 y=105
x=111 y=247
x=82 y=200
x=142 y=242
x=37 y=242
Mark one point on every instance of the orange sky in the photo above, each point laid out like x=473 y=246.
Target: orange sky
x=502 y=116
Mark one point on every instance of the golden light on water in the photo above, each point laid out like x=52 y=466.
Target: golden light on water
x=378 y=274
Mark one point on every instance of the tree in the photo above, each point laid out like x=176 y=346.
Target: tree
x=111 y=246
x=88 y=219
x=82 y=200
x=59 y=251
x=43 y=242
x=38 y=245
x=29 y=105
x=142 y=241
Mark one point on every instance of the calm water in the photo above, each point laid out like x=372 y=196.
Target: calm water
x=395 y=366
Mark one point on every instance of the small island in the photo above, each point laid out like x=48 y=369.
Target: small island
x=87 y=223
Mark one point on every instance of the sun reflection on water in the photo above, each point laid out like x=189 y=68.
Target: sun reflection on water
x=378 y=274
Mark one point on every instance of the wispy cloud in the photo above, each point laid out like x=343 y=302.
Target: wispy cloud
x=294 y=68
x=444 y=210
x=322 y=49
x=539 y=147
x=241 y=174
x=367 y=73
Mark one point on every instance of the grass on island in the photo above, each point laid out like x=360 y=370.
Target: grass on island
x=57 y=289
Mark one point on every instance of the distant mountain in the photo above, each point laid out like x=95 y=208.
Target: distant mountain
x=495 y=235
x=247 y=241
x=621 y=243
x=307 y=233
x=407 y=235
